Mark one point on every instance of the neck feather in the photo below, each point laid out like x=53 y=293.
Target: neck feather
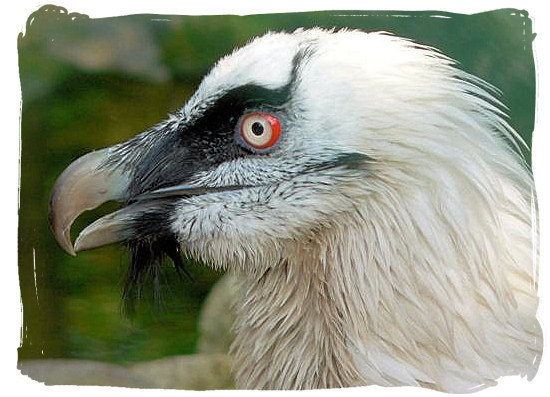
x=435 y=305
x=290 y=327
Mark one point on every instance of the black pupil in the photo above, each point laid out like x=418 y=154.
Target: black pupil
x=257 y=128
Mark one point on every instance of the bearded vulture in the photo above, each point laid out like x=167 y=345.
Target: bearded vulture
x=368 y=195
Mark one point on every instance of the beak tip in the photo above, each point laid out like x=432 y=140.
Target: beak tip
x=61 y=233
x=67 y=246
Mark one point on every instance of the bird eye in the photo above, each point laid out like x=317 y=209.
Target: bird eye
x=260 y=130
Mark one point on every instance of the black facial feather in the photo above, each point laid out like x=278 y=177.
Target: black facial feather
x=145 y=270
x=152 y=242
x=203 y=143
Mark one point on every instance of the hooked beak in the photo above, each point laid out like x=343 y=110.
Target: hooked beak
x=83 y=186
x=91 y=181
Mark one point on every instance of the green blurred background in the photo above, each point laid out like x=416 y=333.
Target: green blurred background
x=89 y=83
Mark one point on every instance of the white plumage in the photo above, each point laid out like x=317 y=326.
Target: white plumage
x=417 y=267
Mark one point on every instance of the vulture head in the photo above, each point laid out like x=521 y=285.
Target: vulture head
x=368 y=195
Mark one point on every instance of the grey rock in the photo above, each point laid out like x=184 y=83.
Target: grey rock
x=191 y=372
x=217 y=317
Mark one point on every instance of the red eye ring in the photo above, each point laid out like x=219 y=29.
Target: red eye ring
x=260 y=130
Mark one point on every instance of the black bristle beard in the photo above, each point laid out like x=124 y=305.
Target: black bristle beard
x=146 y=270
